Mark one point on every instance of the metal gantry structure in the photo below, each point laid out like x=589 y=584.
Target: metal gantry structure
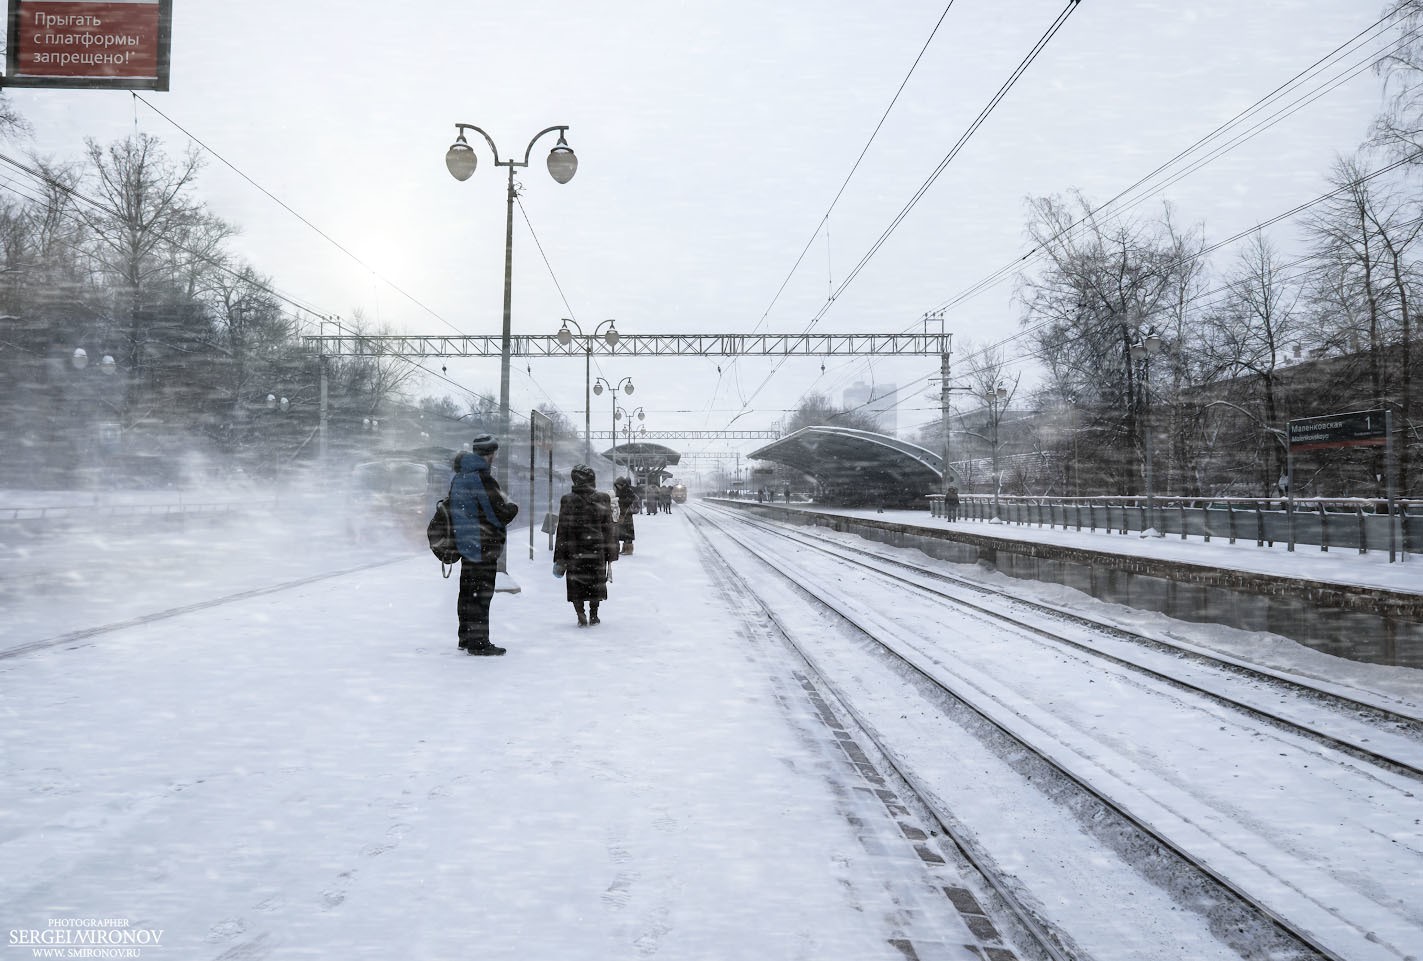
x=690 y=435
x=922 y=344
x=631 y=345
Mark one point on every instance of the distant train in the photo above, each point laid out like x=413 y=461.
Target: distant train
x=679 y=493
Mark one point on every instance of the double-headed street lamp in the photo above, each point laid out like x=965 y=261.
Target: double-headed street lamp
x=1141 y=352
x=565 y=337
x=461 y=160
x=619 y=414
x=90 y=393
x=624 y=385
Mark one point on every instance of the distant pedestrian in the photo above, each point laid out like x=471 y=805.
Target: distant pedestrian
x=788 y=493
x=586 y=543
x=481 y=515
x=951 y=503
x=627 y=507
x=760 y=495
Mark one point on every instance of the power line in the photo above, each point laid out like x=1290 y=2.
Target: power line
x=1364 y=36
x=281 y=203
x=1318 y=67
x=954 y=151
x=854 y=167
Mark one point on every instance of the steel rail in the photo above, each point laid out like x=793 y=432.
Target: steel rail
x=1048 y=940
x=1281 y=925
x=1336 y=698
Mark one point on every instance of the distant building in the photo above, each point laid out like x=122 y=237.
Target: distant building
x=875 y=400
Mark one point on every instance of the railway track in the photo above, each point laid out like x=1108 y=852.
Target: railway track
x=1352 y=725
x=1280 y=906
x=1044 y=942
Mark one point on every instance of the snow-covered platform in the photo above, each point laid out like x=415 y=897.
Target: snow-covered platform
x=318 y=772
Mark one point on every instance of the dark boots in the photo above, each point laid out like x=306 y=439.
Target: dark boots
x=593 y=612
x=582 y=618
x=484 y=649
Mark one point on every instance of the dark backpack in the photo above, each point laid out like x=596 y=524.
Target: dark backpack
x=441 y=534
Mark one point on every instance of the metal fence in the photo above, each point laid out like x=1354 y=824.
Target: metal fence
x=1361 y=524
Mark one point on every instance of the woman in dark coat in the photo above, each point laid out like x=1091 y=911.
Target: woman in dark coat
x=586 y=543
x=627 y=507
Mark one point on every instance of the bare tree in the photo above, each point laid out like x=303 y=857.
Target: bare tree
x=365 y=384
x=1106 y=282
x=1252 y=335
x=1364 y=240
x=1399 y=128
x=816 y=410
x=144 y=203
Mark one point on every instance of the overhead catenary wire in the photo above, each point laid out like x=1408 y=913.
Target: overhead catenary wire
x=73 y=192
x=1365 y=36
x=974 y=126
x=1210 y=248
x=40 y=176
x=1114 y=207
x=824 y=220
x=281 y=203
x=823 y=223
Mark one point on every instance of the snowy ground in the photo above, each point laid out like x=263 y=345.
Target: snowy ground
x=318 y=773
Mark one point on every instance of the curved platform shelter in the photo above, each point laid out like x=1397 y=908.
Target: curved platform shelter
x=644 y=461
x=859 y=468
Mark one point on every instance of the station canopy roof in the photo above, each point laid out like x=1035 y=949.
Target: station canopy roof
x=859 y=466
x=642 y=457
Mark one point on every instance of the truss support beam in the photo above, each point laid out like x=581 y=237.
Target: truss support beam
x=640 y=435
x=634 y=345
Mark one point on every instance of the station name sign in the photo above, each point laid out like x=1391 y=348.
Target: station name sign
x=95 y=44
x=1362 y=428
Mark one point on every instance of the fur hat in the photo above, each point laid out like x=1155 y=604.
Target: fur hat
x=583 y=474
x=484 y=444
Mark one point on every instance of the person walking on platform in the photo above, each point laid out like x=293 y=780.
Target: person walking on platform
x=586 y=543
x=481 y=515
x=951 y=503
x=627 y=507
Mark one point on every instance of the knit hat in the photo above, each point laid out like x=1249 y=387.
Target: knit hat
x=583 y=476
x=484 y=444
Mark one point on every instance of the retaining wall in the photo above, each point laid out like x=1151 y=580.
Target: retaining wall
x=1360 y=623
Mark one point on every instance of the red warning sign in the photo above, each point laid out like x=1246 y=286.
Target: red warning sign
x=118 y=44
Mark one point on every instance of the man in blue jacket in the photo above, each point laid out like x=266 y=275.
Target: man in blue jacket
x=481 y=514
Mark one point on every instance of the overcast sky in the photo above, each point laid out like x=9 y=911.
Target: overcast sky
x=712 y=139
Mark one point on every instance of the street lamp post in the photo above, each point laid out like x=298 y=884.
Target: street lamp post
x=1142 y=351
x=565 y=337
x=996 y=393
x=461 y=160
x=90 y=408
x=640 y=414
x=624 y=385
